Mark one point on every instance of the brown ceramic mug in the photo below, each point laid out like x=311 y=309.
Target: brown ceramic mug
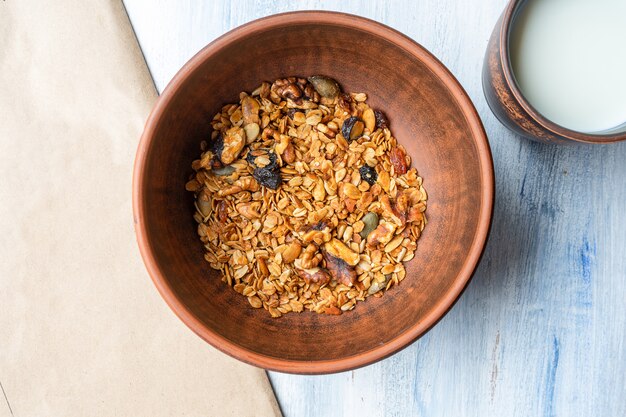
x=507 y=101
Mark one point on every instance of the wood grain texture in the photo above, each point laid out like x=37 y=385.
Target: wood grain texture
x=541 y=330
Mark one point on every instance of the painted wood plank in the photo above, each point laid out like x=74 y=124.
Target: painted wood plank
x=541 y=330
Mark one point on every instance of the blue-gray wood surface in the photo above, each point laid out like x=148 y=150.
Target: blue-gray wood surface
x=541 y=329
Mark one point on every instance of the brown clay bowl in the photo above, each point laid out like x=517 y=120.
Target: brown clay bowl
x=431 y=116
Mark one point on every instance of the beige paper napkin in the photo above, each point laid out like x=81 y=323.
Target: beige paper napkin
x=83 y=331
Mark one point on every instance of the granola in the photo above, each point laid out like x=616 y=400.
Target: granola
x=305 y=200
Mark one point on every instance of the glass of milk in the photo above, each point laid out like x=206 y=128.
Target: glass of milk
x=556 y=69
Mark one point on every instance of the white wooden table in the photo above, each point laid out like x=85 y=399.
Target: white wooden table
x=541 y=330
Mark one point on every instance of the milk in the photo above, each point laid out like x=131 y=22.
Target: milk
x=569 y=61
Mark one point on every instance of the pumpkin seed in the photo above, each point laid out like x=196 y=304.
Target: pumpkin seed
x=370 y=221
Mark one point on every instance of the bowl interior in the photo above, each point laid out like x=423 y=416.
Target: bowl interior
x=424 y=115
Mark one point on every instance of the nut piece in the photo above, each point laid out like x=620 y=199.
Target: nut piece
x=340 y=270
x=370 y=221
x=319 y=192
x=243 y=184
x=234 y=140
x=292 y=252
x=379 y=284
x=263 y=267
x=250 y=110
x=204 y=206
x=294 y=89
x=416 y=213
x=289 y=155
x=382 y=234
x=391 y=212
x=282 y=144
x=339 y=250
x=369 y=119
x=249 y=210
x=314 y=275
x=224 y=171
x=326 y=87
x=310 y=258
x=352 y=128
x=344 y=103
x=351 y=191
x=252 y=132
x=395 y=242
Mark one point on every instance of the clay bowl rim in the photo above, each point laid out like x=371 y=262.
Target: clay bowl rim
x=510 y=13
x=444 y=304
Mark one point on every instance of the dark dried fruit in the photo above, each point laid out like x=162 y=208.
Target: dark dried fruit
x=319 y=226
x=269 y=178
x=368 y=174
x=326 y=87
x=269 y=175
x=291 y=112
x=340 y=270
x=352 y=128
x=216 y=146
x=381 y=120
x=252 y=155
x=397 y=157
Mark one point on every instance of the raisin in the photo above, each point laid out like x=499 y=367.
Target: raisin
x=252 y=155
x=368 y=174
x=269 y=178
x=397 y=157
x=352 y=128
x=269 y=175
x=250 y=158
x=381 y=120
x=216 y=146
